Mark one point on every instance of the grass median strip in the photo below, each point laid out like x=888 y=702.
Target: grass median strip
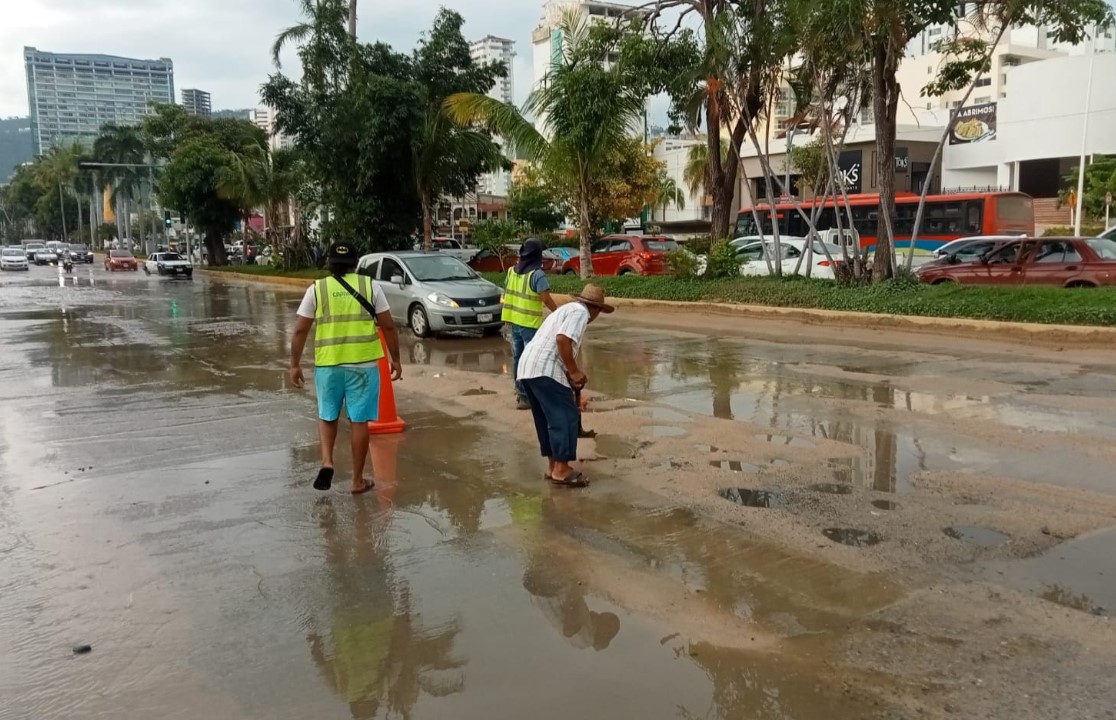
x=1045 y=305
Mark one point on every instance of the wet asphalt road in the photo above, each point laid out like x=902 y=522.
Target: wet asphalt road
x=154 y=503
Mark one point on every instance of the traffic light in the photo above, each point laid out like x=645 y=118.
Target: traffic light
x=167 y=218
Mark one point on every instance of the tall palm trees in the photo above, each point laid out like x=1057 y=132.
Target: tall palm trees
x=121 y=145
x=586 y=109
x=57 y=169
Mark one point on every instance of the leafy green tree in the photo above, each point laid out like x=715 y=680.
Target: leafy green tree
x=533 y=206
x=495 y=235
x=588 y=111
x=1100 y=179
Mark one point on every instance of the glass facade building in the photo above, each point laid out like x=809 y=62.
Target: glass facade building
x=71 y=95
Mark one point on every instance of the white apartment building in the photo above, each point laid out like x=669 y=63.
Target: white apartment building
x=264 y=119
x=674 y=153
x=547 y=40
x=487 y=50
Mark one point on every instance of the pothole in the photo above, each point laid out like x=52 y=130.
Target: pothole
x=832 y=488
x=614 y=446
x=854 y=537
x=753 y=498
x=734 y=466
x=977 y=535
x=885 y=505
x=1067 y=598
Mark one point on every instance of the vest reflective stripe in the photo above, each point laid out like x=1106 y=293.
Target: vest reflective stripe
x=522 y=305
x=344 y=332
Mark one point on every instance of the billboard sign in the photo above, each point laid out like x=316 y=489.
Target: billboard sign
x=973 y=124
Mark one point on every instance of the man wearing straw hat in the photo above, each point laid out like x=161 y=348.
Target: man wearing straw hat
x=550 y=374
x=345 y=310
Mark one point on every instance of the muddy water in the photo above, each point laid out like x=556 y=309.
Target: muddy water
x=154 y=504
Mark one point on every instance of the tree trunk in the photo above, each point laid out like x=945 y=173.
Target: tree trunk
x=585 y=223
x=885 y=102
x=428 y=221
x=352 y=18
x=215 y=247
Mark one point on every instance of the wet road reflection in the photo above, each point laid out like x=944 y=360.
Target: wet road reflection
x=154 y=503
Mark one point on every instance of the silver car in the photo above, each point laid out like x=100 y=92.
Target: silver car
x=434 y=292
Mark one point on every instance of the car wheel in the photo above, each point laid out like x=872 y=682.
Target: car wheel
x=627 y=271
x=146 y=270
x=1080 y=284
x=944 y=281
x=493 y=331
x=420 y=324
x=569 y=271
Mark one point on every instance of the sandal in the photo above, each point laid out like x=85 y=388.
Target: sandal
x=368 y=485
x=575 y=479
x=324 y=479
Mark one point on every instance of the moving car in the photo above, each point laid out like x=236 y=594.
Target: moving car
x=30 y=249
x=120 y=260
x=626 y=255
x=488 y=261
x=1063 y=262
x=13 y=258
x=434 y=293
x=81 y=254
x=45 y=256
x=168 y=263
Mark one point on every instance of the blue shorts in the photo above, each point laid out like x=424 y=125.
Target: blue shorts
x=357 y=387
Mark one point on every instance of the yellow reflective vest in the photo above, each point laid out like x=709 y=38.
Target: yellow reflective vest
x=344 y=332
x=522 y=305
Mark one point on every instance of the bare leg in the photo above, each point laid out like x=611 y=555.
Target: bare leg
x=327 y=436
x=550 y=467
x=360 y=456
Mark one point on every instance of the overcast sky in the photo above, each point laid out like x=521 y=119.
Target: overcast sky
x=224 y=46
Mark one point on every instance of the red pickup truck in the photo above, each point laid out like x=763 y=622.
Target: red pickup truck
x=627 y=255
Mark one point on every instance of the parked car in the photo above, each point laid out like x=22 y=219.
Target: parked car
x=792 y=256
x=562 y=254
x=120 y=260
x=30 y=249
x=168 y=263
x=1109 y=234
x=453 y=247
x=46 y=256
x=1063 y=262
x=13 y=258
x=969 y=249
x=81 y=254
x=626 y=255
x=434 y=293
x=488 y=260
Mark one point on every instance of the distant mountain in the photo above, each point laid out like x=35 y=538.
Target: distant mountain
x=233 y=114
x=15 y=144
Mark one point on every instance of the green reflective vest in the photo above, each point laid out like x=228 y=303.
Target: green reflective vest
x=344 y=332
x=522 y=305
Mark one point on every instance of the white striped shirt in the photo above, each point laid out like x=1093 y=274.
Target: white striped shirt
x=540 y=358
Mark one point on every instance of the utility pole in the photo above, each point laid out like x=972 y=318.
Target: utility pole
x=1085 y=135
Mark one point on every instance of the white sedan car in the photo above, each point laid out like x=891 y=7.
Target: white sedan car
x=168 y=263
x=751 y=252
x=13 y=258
x=46 y=256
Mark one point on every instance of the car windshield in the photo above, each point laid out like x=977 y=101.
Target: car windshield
x=35 y=246
x=661 y=245
x=433 y=268
x=120 y=254
x=79 y=248
x=171 y=256
x=45 y=250
x=1103 y=247
x=13 y=251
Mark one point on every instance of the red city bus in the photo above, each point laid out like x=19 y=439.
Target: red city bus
x=945 y=218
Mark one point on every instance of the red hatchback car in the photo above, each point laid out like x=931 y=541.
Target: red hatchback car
x=488 y=261
x=120 y=260
x=627 y=255
x=1062 y=262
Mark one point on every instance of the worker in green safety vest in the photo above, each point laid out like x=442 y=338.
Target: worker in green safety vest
x=347 y=313
x=526 y=293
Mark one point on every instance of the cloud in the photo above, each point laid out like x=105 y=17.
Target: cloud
x=224 y=46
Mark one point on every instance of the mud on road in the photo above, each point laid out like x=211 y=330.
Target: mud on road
x=155 y=504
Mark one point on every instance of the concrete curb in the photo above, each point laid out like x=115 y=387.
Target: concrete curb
x=1076 y=335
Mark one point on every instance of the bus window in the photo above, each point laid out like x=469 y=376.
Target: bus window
x=1010 y=214
x=974 y=217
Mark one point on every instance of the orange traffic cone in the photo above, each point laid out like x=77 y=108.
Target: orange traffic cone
x=387 y=420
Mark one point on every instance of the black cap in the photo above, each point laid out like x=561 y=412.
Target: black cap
x=343 y=250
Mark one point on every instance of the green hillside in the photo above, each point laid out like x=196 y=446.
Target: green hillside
x=15 y=144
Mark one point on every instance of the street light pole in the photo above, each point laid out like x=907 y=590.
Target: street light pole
x=1085 y=134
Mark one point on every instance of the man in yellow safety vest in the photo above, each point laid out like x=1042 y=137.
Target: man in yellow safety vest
x=345 y=310
x=526 y=293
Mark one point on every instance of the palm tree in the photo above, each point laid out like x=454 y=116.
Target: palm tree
x=669 y=193
x=121 y=145
x=244 y=181
x=320 y=15
x=57 y=168
x=696 y=173
x=586 y=110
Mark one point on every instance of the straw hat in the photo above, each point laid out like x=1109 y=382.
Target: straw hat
x=593 y=296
